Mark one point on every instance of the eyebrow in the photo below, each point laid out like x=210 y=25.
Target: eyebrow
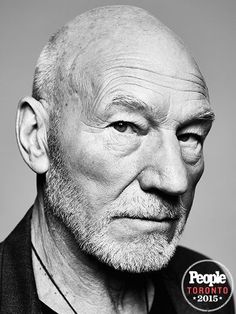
x=132 y=104
x=129 y=103
x=207 y=115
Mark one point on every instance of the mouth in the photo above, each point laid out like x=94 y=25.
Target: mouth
x=159 y=218
x=162 y=224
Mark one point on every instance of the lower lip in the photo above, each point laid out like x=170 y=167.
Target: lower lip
x=146 y=226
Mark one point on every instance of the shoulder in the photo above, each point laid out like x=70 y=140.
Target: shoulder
x=15 y=246
x=1 y=248
x=183 y=259
x=1 y=253
x=1 y=265
x=189 y=254
x=186 y=257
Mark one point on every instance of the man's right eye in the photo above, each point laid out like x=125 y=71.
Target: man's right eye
x=124 y=127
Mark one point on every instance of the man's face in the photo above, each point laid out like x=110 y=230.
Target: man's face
x=124 y=167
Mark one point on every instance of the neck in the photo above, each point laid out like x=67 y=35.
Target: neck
x=87 y=284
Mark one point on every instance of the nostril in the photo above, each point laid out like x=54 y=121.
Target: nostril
x=171 y=198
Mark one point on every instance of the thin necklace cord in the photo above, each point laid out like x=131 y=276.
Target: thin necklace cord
x=146 y=299
x=51 y=278
x=59 y=290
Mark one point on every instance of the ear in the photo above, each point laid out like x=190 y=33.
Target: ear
x=31 y=133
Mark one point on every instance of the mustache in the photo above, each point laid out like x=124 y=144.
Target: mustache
x=148 y=207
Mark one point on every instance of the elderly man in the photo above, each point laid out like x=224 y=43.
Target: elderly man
x=114 y=132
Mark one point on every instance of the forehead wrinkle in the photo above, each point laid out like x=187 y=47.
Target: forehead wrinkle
x=197 y=90
x=115 y=89
x=200 y=81
x=138 y=54
x=162 y=75
x=110 y=76
x=165 y=80
x=103 y=91
x=133 y=60
x=175 y=82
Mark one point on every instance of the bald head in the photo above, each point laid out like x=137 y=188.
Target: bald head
x=77 y=56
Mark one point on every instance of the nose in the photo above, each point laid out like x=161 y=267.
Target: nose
x=164 y=168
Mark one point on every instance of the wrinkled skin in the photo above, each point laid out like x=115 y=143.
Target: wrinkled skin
x=131 y=147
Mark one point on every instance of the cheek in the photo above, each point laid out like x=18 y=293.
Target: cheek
x=102 y=174
x=194 y=174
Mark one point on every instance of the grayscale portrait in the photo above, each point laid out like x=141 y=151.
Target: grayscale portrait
x=114 y=131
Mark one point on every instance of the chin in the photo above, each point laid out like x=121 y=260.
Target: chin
x=149 y=253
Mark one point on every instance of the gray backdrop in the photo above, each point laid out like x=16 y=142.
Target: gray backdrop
x=208 y=27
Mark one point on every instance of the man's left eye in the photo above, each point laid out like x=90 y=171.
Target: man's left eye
x=190 y=138
x=124 y=127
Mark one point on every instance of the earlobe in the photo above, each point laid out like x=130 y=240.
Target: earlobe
x=31 y=133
